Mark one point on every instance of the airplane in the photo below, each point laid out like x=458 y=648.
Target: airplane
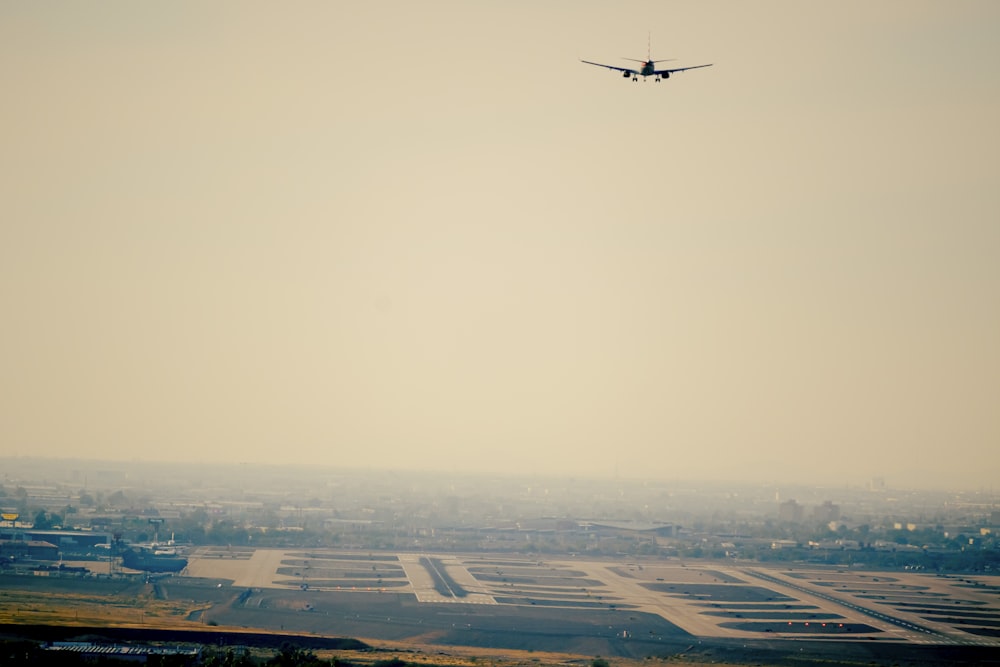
x=648 y=68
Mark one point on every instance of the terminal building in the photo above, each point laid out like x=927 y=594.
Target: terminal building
x=28 y=550
x=50 y=544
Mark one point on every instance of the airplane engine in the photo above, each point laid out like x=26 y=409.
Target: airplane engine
x=666 y=75
x=626 y=75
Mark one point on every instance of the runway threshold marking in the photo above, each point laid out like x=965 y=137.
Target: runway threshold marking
x=422 y=583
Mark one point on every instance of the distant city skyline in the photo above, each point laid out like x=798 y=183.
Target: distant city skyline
x=784 y=489
x=426 y=236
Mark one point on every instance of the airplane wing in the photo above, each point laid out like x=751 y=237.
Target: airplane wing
x=663 y=72
x=617 y=69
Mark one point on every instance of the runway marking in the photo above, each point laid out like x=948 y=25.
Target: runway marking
x=622 y=584
x=423 y=584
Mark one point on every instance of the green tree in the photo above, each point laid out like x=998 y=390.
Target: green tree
x=293 y=656
x=391 y=662
x=228 y=659
x=42 y=521
x=18 y=652
x=117 y=499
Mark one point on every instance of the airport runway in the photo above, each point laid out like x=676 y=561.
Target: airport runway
x=260 y=570
x=422 y=581
x=704 y=599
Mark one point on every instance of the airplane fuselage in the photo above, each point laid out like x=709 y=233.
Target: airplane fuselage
x=647 y=68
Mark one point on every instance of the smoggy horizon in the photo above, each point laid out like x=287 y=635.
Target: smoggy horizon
x=49 y=468
x=425 y=236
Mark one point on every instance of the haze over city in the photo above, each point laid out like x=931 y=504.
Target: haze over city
x=425 y=236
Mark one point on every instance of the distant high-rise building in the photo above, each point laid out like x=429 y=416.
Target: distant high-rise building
x=876 y=484
x=826 y=512
x=790 y=510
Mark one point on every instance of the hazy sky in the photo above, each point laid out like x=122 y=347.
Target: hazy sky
x=423 y=234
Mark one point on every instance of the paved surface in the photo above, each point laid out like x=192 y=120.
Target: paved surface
x=705 y=599
x=260 y=570
x=422 y=582
x=892 y=602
